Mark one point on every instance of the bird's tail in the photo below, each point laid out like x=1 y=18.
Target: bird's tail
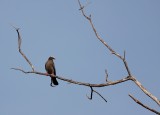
x=54 y=81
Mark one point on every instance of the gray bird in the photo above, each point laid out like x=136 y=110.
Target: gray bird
x=50 y=68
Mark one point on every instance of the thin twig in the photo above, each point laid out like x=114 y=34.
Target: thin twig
x=145 y=106
x=91 y=95
x=124 y=55
x=100 y=95
x=33 y=72
x=90 y=98
x=19 y=48
x=85 y=5
x=106 y=75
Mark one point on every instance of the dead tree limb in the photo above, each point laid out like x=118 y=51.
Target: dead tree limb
x=154 y=98
x=76 y=82
x=108 y=83
x=118 y=55
x=91 y=94
x=92 y=90
x=100 y=95
x=145 y=106
x=19 y=47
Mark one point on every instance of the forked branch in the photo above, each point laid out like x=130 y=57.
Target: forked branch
x=118 y=55
x=92 y=90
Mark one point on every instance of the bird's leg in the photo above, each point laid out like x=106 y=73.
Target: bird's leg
x=51 y=84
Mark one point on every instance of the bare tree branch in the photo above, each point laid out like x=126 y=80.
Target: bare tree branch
x=91 y=94
x=103 y=42
x=34 y=72
x=92 y=90
x=19 y=48
x=76 y=82
x=107 y=83
x=140 y=103
x=100 y=95
x=119 y=56
x=154 y=98
x=51 y=75
x=88 y=84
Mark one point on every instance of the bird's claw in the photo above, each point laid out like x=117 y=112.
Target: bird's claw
x=51 y=85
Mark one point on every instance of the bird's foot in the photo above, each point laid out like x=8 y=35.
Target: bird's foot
x=46 y=74
x=52 y=85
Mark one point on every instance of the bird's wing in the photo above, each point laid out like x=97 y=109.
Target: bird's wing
x=54 y=69
x=45 y=66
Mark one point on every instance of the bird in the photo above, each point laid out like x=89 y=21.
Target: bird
x=50 y=69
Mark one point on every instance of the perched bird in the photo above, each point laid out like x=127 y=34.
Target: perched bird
x=50 y=68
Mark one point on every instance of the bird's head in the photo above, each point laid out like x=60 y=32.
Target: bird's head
x=51 y=58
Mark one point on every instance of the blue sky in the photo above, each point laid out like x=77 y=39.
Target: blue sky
x=57 y=28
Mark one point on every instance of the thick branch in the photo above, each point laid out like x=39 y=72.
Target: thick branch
x=77 y=82
x=145 y=106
